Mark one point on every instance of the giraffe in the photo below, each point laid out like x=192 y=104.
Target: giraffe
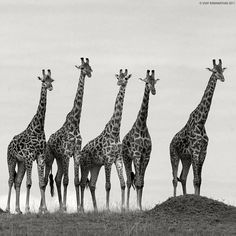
x=28 y=146
x=66 y=142
x=105 y=150
x=137 y=144
x=190 y=144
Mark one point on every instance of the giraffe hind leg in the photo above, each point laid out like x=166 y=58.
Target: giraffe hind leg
x=144 y=163
x=129 y=175
x=92 y=185
x=174 y=157
x=186 y=163
x=48 y=168
x=12 y=177
x=19 y=177
x=84 y=176
x=65 y=183
x=201 y=161
x=58 y=179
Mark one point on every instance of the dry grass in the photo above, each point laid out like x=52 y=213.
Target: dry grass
x=184 y=215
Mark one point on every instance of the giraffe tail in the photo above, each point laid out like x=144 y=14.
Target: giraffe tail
x=87 y=183
x=51 y=183
x=14 y=180
x=132 y=179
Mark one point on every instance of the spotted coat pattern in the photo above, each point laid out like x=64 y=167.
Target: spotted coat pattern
x=190 y=144
x=105 y=149
x=66 y=142
x=137 y=144
x=27 y=147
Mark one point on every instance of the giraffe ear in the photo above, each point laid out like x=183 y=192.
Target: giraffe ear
x=129 y=76
x=156 y=80
x=117 y=76
x=40 y=78
x=224 y=69
x=78 y=67
x=144 y=80
x=209 y=69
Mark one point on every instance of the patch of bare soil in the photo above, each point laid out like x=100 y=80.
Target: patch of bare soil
x=193 y=213
x=1 y=211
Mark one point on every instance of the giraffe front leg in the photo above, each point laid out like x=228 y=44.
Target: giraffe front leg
x=108 y=183
x=92 y=184
x=41 y=166
x=65 y=183
x=174 y=158
x=196 y=149
x=129 y=175
x=12 y=175
x=76 y=183
x=126 y=151
x=28 y=184
x=119 y=168
x=202 y=156
x=144 y=163
x=49 y=159
x=19 y=177
x=138 y=182
x=84 y=176
x=77 y=157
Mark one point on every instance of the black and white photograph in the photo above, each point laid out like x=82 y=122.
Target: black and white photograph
x=117 y=117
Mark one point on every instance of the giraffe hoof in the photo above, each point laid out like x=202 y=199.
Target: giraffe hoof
x=62 y=209
x=7 y=210
x=27 y=210
x=43 y=210
x=123 y=209
x=79 y=209
x=18 y=211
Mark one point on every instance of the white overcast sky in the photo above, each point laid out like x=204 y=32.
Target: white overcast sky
x=178 y=40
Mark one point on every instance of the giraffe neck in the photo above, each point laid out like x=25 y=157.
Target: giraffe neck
x=143 y=112
x=37 y=123
x=75 y=114
x=204 y=106
x=113 y=126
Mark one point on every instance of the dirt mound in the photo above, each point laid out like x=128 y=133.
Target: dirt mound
x=189 y=206
x=1 y=211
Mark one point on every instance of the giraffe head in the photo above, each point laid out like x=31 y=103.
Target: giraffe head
x=85 y=67
x=47 y=80
x=218 y=70
x=123 y=77
x=150 y=81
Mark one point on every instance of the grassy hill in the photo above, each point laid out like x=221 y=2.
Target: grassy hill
x=183 y=215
